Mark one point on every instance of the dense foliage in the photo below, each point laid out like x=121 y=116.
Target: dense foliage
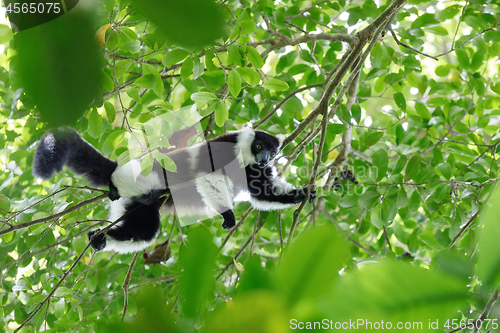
x=412 y=108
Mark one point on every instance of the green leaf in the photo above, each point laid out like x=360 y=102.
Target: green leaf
x=311 y=263
x=267 y=307
x=95 y=124
x=413 y=167
x=209 y=64
x=380 y=161
x=134 y=94
x=22 y=284
x=298 y=69
x=425 y=174
x=346 y=115
x=187 y=68
x=111 y=142
x=107 y=82
x=233 y=55
x=477 y=60
x=443 y=70
x=495 y=87
x=375 y=218
x=423 y=111
x=91 y=283
x=146 y=81
x=157 y=84
x=488 y=265
x=402 y=199
x=247 y=27
x=203 y=97
x=368 y=198
x=448 y=12
x=165 y=161
x=349 y=200
x=424 y=20
x=254 y=57
x=400 y=164
x=234 y=82
x=221 y=113
x=437 y=156
x=197 y=280
x=174 y=56
x=388 y=212
x=59 y=306
x=275 y=85
x=208 y=110
x=198 y=68
x=6 y=34
x=356 y=113
x=334 y=129
x=426 y=296
x=68 y=65
x=414 y=202
x=463 y=58
x=400 y=100
x=292 y=106
x=440 y=31
x=373 y=138
x=492 y=36
x=147 y=165
x=255 y=277
x=250 y=75
x=110 y=111
x=191 y=23
x=4 y=204
x=446 y=170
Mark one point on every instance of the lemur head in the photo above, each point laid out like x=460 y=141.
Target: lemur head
x=265 y=147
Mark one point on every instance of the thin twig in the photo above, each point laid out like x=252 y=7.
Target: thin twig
x=280 y=104
x=126 y=283
x=52 y=292
x=52 y=217
x=408 y=46
x=487 y=309
x=236 y=227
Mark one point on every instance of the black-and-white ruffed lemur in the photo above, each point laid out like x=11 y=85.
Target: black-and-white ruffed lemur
x=206 y=180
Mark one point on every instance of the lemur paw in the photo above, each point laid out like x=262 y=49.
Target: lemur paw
x=229 y=220
x=98 y=242
x=312 y=196
x=301 y=194
x=113 y=192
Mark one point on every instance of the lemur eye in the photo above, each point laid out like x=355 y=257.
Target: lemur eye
x=259 y=147
x=273 y=154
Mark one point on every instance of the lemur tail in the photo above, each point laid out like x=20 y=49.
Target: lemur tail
x=64 y=146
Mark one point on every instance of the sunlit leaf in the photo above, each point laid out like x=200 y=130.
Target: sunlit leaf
x=297 y=278
x=197 y=279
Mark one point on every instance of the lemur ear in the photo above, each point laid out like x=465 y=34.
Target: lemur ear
x=280 y=138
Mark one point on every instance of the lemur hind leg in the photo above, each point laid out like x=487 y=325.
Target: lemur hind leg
x=216 y=190
x=138 y=227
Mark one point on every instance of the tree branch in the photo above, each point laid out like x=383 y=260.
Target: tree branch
x=487 y=309
x=52 y=292
x=236 y=227
x=256 y=231
x=408 y=46
x=126 y=283
x=52 y=217
x=283 y=101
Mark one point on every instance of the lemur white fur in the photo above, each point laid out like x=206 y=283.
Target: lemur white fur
x=130 y=183
x=243 y=147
